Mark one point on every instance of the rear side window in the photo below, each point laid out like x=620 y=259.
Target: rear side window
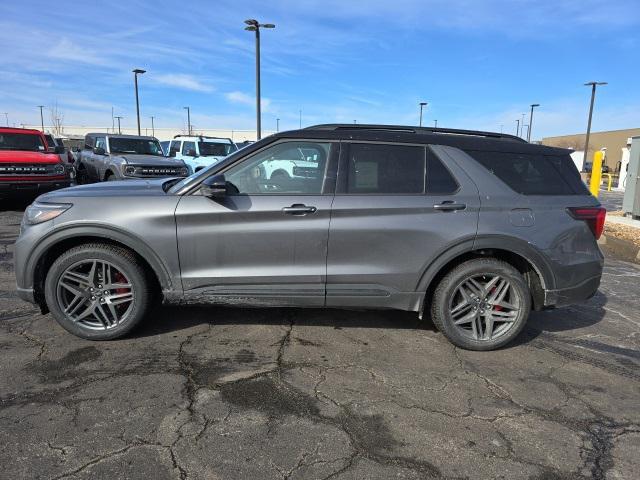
x=534 y=173
x=385 y=169
x=439 y=179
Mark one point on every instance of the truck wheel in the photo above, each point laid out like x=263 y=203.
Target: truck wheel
x=97 y=291
x=481 y=304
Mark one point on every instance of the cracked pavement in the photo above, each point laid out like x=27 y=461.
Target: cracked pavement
x=208 y=393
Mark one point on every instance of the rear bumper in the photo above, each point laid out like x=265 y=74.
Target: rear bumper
x=574 y=294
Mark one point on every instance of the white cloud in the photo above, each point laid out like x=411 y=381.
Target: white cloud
x=180 y=80
x=244 y=99
x=65 y=49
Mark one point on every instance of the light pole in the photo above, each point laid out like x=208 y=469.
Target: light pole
x=527 y=127
x=277 y=124
x=300 y=118
x=593 y=97
x=517 y=127
x=435 y=124
x=422 y=105
x=533 y=105
x=137 y=72
x=522 y=125
x=6 y=117
x=188 y=120
x=41 y=117
x=153 y=128
x=254 y=26
x=119 y=118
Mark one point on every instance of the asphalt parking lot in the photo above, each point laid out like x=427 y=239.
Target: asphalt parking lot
x=302 y=394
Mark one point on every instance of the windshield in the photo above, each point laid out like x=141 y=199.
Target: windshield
x=21 y=141
x=208 y=149
x=140 y=146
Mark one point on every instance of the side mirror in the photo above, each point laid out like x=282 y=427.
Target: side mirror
x=192 y=153
x=59 y=149
x=214 y=186
x=172 y=152
x=99 y=151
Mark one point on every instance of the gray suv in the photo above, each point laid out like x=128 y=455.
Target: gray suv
x=471 y=229
x=108 y=157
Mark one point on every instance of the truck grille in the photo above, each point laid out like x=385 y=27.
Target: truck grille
x=148 y=171
x=19 y=169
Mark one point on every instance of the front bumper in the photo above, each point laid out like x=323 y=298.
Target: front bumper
x=572 y=295
x=11 y=186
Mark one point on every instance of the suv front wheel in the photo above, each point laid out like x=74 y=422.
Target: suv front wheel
x=481 y=304
x=97 y=291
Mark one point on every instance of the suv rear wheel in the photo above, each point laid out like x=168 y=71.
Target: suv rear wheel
x=481 y=304
x=97 y=291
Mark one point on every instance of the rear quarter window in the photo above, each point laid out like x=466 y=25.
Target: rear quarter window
x=534 y=173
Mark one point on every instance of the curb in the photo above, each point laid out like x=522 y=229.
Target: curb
x=619 y=248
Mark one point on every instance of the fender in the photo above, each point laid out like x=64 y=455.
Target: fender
x=124 y=237
x=482 y=242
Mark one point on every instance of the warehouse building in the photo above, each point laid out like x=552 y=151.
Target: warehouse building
x=614 y=141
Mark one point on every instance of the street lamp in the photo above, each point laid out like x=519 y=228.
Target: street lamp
x=522 y=125
x=137 y=72
x=422 y=105
x=533 y=105
x=119 y=118
x=41 y=117
x=593 y=96
x=6 y=117
x=277 y=124
x=435 y=124
x=153 y=129
x=300 y=118
x=254 y=26
x=188 y=120
x=517 y=127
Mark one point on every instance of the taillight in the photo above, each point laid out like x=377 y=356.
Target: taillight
x=593 y=216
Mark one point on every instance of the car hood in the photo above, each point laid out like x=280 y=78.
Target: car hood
x=135 y=159
x=125 y=188
x=20 y=156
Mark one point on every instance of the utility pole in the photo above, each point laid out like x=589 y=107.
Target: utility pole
x=153 y=129
x=137 y=72
x=6 y=117
x=41 y=117
x=254 y=26
x=517 y=127
x=593 y=97
x=277 y=124
x=113 y=122
x=188 y=120
x=300 y=118
x=119 y=130
x=422 y=105
x=435 y=123
x=533 y=105
x=522 y=125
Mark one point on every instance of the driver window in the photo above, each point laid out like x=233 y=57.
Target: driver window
x=101 y=143
x=284 y=168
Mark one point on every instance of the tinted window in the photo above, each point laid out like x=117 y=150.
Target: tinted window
x=175 y=146
x=386 y=169
x=186 y=146
x=102 y=143
x=534 y=173
x=141 y=146
x=216 y=149
x=282 y=168
x=439 y=179
x=20 y=141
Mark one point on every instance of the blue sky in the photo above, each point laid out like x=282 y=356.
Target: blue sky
x=479 y=64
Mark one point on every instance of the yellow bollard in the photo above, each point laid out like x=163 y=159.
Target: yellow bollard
x=596 y=174
x=609 y=181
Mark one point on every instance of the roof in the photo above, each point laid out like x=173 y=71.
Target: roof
x=463 y=139
x=29 y=131
x=182 y=137
x=118 y=135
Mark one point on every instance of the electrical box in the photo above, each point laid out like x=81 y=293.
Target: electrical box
x=631 y=201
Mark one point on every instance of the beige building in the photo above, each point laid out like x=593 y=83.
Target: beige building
x=614 y=141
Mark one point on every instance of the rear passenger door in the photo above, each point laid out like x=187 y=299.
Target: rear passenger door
x=397 y=207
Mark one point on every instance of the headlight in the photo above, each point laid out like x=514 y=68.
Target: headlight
x=129 y=170
x=59 y=169
x=184 y=171
x=42 y=212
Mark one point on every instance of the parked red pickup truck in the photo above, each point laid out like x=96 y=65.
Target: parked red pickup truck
x=27 y=164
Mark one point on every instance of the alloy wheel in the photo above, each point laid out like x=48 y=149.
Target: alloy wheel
x=484 y=307
x=95 y=294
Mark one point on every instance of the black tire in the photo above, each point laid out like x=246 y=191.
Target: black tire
x=111 y=177
x=122 y=259
x=447 y=289
x=280 y=175
x=82 y=178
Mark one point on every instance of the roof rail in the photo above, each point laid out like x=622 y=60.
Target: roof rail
x=410 y=129
x=202 y=136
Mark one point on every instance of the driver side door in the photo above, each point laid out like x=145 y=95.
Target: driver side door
x=265 y=242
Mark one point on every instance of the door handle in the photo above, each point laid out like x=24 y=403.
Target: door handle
x=448 y=206
x=298 y=209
